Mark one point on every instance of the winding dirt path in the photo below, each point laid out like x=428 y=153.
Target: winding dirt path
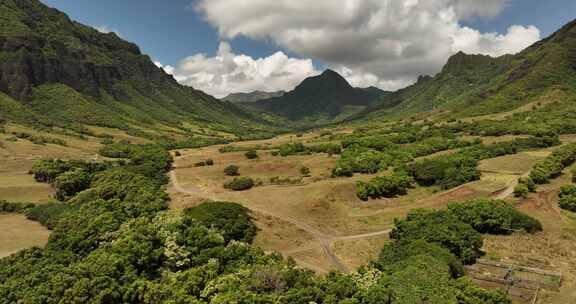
x=324 y=240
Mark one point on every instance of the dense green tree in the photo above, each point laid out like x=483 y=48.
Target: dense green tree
x=448 y=231
x=240 y=184
x=494 y=217
x=252 y=154
x=232 y=220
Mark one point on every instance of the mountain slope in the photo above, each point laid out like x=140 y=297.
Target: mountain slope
x=252 y=96
x=67 y=73
x=472 y=85
x=327 y=97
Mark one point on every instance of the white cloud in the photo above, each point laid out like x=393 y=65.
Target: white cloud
x=106 y=29
x=387 y=43
x=227 y=72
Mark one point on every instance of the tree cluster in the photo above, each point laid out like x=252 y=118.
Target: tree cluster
x=553 y=165
x=388 y=186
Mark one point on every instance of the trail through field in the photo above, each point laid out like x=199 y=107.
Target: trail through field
x=324 y=240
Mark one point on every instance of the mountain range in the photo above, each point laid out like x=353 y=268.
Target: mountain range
x=57 y=72
x=324 y=98
x=473 y=85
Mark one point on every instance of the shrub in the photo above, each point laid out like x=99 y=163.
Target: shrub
x=384 y=186
x=48 y=214
x=107 y=140
x=552 y=166
x=9 y=207
x=231 y=219
x=70 y=183
x=357 y=159
x=521 y=191
x=240 y=184
x=446 y=171
x=232 y=170
x=568 y=197
x=393 y=253
x=292 y=149
x=568 y=203
x=252 y=154
x=494 y=217
x=573 y=172
x=207 y=162
x=305 y=171
x=528 y=182
x=567 y=190
x=277 y=180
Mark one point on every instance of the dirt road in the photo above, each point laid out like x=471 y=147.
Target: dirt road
x=323 y=240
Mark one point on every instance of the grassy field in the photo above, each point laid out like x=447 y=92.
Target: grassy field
x=322 y=205
x=318 y=220
x=17 y=157
x=16 y=233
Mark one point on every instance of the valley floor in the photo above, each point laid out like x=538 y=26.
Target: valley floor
x=320 y=222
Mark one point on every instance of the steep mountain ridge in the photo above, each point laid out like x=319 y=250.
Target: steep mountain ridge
x=61 y=70
x=325 y=97
x=472 y=85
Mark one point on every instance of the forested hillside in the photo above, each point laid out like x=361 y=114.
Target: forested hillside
x=323 y=99
x=471 y=85
x=57 y=72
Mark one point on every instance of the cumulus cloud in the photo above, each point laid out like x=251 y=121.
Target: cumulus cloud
x=228 y=72
x=387 y=43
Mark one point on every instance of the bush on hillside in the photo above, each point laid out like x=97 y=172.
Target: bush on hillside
x=528 y=182
x=48 y=214
x=441 y=227
x=304 y=171
x=9 y=207
x=568 y=203
x=231 y=219
x=552 y=166
x=204 y=163
x=393 y=253
x=568 y=197
x=521 y=191
x=232 y=170
x=71 y=182
x=494 y=217
x=252 y=154
x=240 y=184
x=384 y=186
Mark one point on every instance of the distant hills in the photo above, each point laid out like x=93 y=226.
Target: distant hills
x=324 y=98
x=57 y=72
x=252 y=96
x=468 y=85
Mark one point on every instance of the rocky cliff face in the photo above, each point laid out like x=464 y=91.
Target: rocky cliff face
x=41 y=45
x=44 y=55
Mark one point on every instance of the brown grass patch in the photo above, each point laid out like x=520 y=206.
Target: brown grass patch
x=17 y=233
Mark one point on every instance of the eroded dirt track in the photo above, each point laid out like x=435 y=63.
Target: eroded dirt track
x=322 y=239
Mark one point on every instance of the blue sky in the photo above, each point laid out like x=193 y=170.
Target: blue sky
x=170 y=31
x=166 y=30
